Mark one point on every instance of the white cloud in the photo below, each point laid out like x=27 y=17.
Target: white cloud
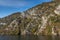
x=13 y=3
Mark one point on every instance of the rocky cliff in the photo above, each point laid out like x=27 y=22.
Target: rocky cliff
x=43 y=19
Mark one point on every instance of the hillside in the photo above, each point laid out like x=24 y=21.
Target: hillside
x=43 y=19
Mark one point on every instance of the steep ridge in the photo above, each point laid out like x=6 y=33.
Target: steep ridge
x=8 y=24
x=43 y=19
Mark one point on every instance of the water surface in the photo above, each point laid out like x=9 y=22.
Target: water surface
x=29 y=37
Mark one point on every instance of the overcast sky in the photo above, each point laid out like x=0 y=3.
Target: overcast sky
x=8 y=7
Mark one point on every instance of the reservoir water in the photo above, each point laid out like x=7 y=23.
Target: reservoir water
x=29 y=37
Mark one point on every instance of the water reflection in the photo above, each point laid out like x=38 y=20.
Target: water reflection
x=30 y=37
x=34 y=37
x=5 y=37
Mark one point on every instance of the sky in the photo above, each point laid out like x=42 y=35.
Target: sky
x=8 y=7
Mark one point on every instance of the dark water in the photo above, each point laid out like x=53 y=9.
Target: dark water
x=41 y=38
x=29 y=37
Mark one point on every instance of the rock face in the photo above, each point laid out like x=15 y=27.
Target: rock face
x=43 y=19
x=57 y=11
